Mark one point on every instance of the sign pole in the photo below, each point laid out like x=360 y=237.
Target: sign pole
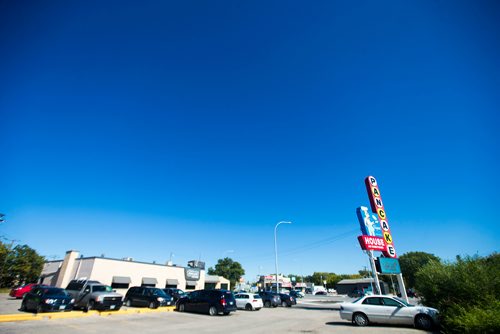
x=374 y=271
x=402 y=287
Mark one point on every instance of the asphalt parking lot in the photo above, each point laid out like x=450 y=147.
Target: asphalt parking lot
x=311 y=315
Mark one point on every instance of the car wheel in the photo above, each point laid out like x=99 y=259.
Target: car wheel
x=248 y=307
x=212 y=310
x=23 y=306
x=90 y=306
x=128 y=303
x=360 y=319
x=181 y=308
x=152 y=305
x=284 y=304
x=423 y=322
x=39 y=309
x=267 y=303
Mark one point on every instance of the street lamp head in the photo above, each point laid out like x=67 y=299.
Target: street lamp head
x=284 y=222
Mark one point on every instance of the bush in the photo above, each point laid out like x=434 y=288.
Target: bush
x=466 y=293
x=477 y=319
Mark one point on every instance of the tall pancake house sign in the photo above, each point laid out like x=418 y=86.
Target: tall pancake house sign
x=377 y=207
x=376 y=233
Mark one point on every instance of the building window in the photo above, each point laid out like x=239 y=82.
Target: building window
x=190 y=287
x=223 y=286
x=119 y=285
x=210 y=286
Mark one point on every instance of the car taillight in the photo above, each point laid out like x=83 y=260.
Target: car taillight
x=223 y=302
x=255 y=300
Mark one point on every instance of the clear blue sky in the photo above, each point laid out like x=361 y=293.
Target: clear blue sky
x=192 y=127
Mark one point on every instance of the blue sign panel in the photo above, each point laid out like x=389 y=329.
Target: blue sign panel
x=368 y=222
x=389 y=265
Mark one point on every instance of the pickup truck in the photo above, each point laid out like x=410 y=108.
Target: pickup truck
x=93 y=295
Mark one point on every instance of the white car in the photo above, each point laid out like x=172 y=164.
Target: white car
x=388 y=310
x=248 y=301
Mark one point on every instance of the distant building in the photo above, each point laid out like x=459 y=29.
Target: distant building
x=268 y=282
x=347 y=286
x=122 y=274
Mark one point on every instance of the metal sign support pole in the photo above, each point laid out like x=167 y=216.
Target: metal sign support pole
x=402 y=287
x=374 y=271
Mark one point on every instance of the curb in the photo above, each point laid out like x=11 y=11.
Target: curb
x=79 y=314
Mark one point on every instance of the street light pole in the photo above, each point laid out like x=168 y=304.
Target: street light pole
x=276 y=251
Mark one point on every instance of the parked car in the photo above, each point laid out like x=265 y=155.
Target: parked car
x=270 y=299
x=389 y=310
x=248 y=301
x=20 y=291
x=175 y=293
x=287 y=300
x=147 y=296
x=321 y=292
x=212 y=302
x=93 y=295
x=47 y=299
x=297 y=294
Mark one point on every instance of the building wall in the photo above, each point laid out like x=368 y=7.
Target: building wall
x=59 y=273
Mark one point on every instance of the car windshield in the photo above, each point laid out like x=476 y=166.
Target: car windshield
x=159 y=292
x=102 y=288
x=404 y=302
x=55 y=292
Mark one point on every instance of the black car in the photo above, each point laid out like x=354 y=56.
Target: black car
x=147 y=296
x=212 y=302
x=47 y=299
x=287 y=300
x=175 y=293
x=270 y=298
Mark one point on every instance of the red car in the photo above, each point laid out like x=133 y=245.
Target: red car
x=22 y=290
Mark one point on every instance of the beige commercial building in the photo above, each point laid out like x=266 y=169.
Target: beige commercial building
x=122 y=274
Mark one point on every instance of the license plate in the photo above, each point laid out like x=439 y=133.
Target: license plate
x=112 y=307
x=62 y=307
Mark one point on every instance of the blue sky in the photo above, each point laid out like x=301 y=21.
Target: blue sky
x=192 y=127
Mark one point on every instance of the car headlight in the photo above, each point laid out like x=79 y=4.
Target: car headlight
x=72 y=301
x=49 y=301
x=160 y=299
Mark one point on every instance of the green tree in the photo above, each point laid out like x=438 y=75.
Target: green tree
x=467 y=293
x=20 y=264
x=229 y=269
x=412 y=262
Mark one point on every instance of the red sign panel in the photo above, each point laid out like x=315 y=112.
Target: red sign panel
x=368 y=242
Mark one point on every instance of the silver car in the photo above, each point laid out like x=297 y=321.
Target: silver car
x=388 y=310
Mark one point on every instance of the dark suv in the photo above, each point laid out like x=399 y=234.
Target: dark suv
x=270 y=298
x=147 y=296
x=212 y=302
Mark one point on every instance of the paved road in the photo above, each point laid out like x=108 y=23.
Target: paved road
x=278 y=320
x=311 y=315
